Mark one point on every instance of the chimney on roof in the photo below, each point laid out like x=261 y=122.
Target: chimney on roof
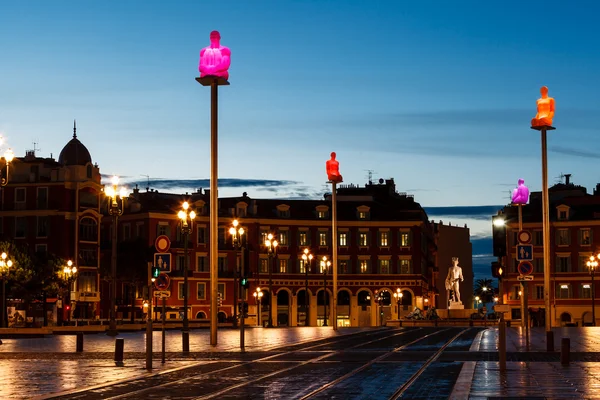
x=199 y=191
x=567 y=179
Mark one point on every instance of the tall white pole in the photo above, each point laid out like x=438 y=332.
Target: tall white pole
x=546 y=231
x=214 y=210
x=334 y=245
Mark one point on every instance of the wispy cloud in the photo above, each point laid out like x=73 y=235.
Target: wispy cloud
x=574 y=152
x=481 y=213
x=171 y=184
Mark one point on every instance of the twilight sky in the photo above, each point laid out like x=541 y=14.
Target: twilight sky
x=436 y=94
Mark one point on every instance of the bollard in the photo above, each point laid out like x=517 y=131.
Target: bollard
x=470 y=322
x=565 y=350
x=502 y=344
x=119 y=347
x=399 y=323
x=79 y=344
x=549 y=341
x=186 y=341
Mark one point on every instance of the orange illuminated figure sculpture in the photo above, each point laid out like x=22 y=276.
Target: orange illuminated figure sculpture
x=333 y=169
x=545 y=109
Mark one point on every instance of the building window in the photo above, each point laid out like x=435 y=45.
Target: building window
x=86 y=281
x=20 y=227
x=180 y=262
x=222 y=264
x=283 y=238
x=538 y=238
x=563 y=264
x=405 y=266
x=201 y=264
x=164 y=229
x=303 y=266
x=201 y=235
x=562 y=237
x=221 y=290
x=362 y=215
x=322 y=214
x=180 y=289
x=19 y=198
x=264 y=235
x=515 y=293
x=363 y=239
x=201 y=291
x=539 y=292
x=562 y=214
x=221 y=236
x=364 y=266
x=139 y=230
x=322 y=238
x=284 y=213
x=303 y=238
x=538 y=264
x=283 y=266
x=126 y=231
x=405 y=239
x=585 y=291
x=42 y=227
x=88 y=257
x=585 y=237
x=264 y=265
x=563 y=291
x=343 y=239
x=343 y=267
x=88 y=230
x=383 y=239
x=42 y=198
x=384 y=267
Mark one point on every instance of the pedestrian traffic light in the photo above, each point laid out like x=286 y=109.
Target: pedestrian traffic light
x=497 y=270
x=155 y=272
x=245 y=282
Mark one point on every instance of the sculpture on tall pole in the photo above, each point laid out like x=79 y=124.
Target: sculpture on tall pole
x=214 y=72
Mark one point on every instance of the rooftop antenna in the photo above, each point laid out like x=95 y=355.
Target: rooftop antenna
x=559 y=179
x=35 y=148
x=370 y=175
x=147 y=187
x=74 y=129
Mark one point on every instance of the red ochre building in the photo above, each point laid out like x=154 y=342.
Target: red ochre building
x=54 y=207
x=385 y=243
x=574 y=223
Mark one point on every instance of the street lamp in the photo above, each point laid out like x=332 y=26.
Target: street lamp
x=8 y=157
x=258 y=294
x=398 y=296
x=592 y=264
x=477 y=301
x=237 y=236
x=4 y=267
x=325 y=264
x=186 y=217
x=379 y=300
x=70 y=272
x=271 y=246
x=116 y=204
x=306 y=259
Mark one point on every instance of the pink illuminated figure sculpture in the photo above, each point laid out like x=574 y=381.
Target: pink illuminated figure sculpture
x=521 y=193
x=215 y=59
x=545 y=109
x=333 y=169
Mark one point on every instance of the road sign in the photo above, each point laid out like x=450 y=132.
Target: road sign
x=162 y=294
x=524 y=237
x=163 y=261
x=525 y=268
x=524 y=252
x=162 y=282
x=525 y=277
x=162 y=244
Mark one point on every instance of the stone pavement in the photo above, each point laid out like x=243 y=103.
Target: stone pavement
x=482 y=380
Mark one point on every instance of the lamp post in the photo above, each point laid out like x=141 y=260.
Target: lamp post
x=116 y=203
x=271 y=246
x=237 y=236
x=325 y=264
x=592 y=264
x=186 y=216
x=69 y=272
x=4 y=267
x=258 y=294
x=398 y=296
x=379 y=300
x=8 y=157
x=306 y=259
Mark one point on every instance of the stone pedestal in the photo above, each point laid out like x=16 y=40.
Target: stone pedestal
x=456 y=305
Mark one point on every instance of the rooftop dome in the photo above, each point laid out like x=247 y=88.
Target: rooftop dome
x=74 y=153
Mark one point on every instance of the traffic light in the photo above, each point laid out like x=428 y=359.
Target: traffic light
x=497 y=270
x=245 y=283
x=155 y=272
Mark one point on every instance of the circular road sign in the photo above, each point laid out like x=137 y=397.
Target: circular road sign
x=524 y=237
x=162 y=282
x=162 y=244
x=525 y=268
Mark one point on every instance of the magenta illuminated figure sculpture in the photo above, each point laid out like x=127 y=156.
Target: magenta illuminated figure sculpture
x=333 y=169
x=215 y=59
x=521 y=193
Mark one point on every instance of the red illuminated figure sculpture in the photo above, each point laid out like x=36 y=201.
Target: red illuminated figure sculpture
x=333 y=169
x=545 y=109
x=215 y=59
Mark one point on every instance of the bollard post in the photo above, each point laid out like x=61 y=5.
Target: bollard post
x=79 y=343
x=565 y=350
x=502 y=344
x=119 y=347
x=399 y=323
x=186 y=341
x=549 y=341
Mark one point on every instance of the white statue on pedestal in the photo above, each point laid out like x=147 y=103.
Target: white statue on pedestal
x=454 y=275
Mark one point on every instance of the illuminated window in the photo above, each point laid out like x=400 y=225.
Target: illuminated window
x=322 y=238
x=362 y=215
x=562 y=237
x=585 y=237
x=384 y=267
x=303 y=238
x=364 y=266
x=343 y=239
x=383 y=239
x=283 y=266
x=303 y=266
x=363 y=239
x=585 y=291
x=283 y=238
x=343 y=267
x=264 y=265
x=563 y=291
x=404 y=239
x=405 y=266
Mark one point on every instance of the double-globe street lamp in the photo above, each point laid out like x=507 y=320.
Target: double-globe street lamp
x=116 y=205
x=379 y=297
x=398 y=296
x=4 y=267
x=237 y=239
x=186 y=218
x=271 y=246
x=70 y=272
x=258 y=294
x=325 y=264
x=592 y=264
x=8 y=157
x=306 y=261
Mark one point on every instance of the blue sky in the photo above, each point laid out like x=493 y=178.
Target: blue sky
x=435 y=94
